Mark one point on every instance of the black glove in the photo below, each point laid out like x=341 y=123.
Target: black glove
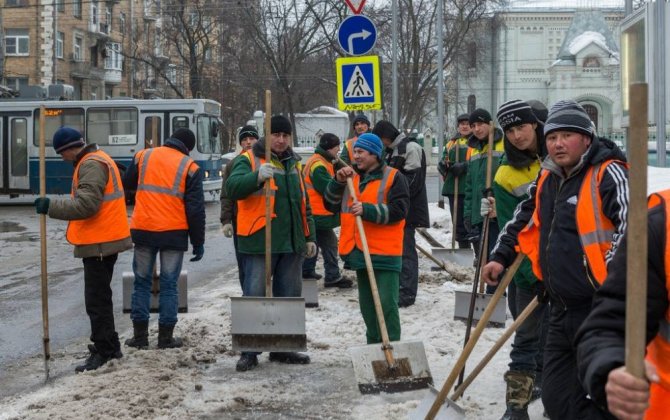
x=458 y=169
x=442 y=168
x=198 y=251
x=541 y=292
x=42 y=205
x=467 y=224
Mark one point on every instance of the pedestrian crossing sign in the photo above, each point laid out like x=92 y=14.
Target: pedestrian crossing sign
x=358 y=83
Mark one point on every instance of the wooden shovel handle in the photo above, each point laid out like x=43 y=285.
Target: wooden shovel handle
x=470 y=345
x=43 y=245
x=268 y=198
x=532 y=305
x=386 y=346
x=454 y=214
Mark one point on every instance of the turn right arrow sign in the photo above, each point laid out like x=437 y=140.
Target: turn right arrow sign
x=355 y=5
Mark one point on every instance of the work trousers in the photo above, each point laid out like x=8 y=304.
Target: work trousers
x=409 y=277
x=98 y=300
x=387 y=284
x=326 y=240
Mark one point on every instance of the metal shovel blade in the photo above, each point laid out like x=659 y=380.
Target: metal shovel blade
x=268 y=324
x=448 y=411
x=373 y=374
x=459 y=256
x=462 y=308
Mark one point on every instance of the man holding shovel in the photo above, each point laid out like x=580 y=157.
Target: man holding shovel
x=292 y=229
x=576 y=215
x=98 y=229
x=383 y=202
x=601 y=339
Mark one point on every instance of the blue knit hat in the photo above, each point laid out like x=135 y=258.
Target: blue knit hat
x=66 y=138
x=370 y=142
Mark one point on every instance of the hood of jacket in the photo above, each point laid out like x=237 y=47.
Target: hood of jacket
x=523 y=158
x=601 y=149
x=475 y=143
x=394 y=145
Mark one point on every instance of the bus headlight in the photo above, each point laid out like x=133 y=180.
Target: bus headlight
x=206 y=174
x=220 y=173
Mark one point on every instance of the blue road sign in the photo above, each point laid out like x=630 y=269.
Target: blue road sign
x=358 y=83
x=357 y=35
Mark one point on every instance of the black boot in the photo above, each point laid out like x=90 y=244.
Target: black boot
x=140 y=338
x=165 y=338
x=290 y=358
x=247 y=362
x=515 y=414
x=95 y=359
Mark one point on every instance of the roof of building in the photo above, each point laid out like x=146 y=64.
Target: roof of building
x=587 y=27
x=566 y=4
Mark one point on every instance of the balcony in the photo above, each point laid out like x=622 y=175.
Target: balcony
x=112 y=76
x=84 y=70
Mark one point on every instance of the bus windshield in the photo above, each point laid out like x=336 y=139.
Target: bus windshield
x=208 y=135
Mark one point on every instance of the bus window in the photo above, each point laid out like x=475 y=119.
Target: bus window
x=152 y=132
x=208 y=139
x=107 y=126
x=179 y=122
x=55 y=118
x=19 y=147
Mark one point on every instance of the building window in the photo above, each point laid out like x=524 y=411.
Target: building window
x=17 y=42
x=472 y=55
x=60 y=41
x=60 y=5
x=78 y=48
x=122 y=22
x=106 y=26
x=16 y=83
x=472 y=103
x=114 y=60
x=591 y=62
x=592 y=112
x=15 y=3
x=76 y=8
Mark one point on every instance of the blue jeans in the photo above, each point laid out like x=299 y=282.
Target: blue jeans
x=144 y=260
x=286 y=274
x=326 y=240
x=527 y=347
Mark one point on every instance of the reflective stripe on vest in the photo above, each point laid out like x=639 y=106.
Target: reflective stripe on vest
x=110 y=223
x=658 y=351
x=251 y=209
x=159 y=202
x=594 y=228
x=315 y=197
x=383 y=238
x=350 y=148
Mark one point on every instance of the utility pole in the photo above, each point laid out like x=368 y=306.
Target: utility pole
x=660 y=89
x=440 y=94
x=394 y=66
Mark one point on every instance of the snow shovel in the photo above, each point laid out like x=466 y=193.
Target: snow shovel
x=532 y=305
x=377 y=369
x=469 y=306
x=275 y=324
x=460 y=256
x=43 y=251
x=636 y=258
x=440 y=406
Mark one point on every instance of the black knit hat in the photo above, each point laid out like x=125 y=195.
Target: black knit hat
x=568 y=115
x=385 y=129
x=361 y=118
x=328 y=141
x=480 y=115
x=67 y=138
x=185 y=136
x=463 y=117
x=247 y=131
x=539 y=109
x=513 y=113
x=280 y=124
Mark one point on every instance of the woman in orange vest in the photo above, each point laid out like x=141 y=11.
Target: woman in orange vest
x=98 y=229
x=601 y=339
x=383 y=204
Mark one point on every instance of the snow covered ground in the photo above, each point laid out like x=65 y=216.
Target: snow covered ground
x=200 y=381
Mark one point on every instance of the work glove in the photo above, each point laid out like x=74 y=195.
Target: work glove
x=310 y=250
x=227 y=230
x=198 y=251
x=488 y=207
x=42 y=205
x=541 y=292
x=458 y=169
x=265 y=172
x=442 y=168
x=467 y=224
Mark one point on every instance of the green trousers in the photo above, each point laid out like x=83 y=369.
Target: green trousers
x=388 y=283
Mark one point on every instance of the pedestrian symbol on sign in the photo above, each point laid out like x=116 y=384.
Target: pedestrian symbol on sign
x=357 y=87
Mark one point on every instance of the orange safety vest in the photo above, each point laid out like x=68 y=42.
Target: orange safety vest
x=350 y=148
x=594 y=228
x=159 y=201
x=452 y=143
x=315 y=197
x=110 y=223
x=251 y=210
x=658 y=351
x=383 y=239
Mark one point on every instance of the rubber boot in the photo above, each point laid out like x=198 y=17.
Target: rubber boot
x=518 y=394
x=165 y=338
x=140 y=338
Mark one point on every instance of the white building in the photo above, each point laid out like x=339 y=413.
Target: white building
x=547 y=51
